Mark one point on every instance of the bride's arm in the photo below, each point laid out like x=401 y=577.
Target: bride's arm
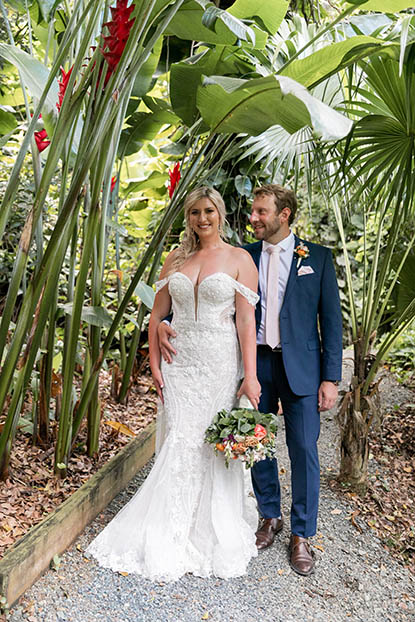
x=245 y=325
x=161 y=308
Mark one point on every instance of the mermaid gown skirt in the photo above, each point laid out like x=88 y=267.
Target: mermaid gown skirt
x=192 y=514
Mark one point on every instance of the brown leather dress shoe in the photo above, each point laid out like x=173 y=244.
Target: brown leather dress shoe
x=301 y=557
x=267 y=532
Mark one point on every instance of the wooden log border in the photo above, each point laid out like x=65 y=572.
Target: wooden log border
x=23 y=564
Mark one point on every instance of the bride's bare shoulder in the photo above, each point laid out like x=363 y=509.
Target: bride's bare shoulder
x=168 y=263
x=241 y=256
x=242 y=265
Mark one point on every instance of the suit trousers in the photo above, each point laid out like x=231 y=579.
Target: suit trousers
x=302 y=429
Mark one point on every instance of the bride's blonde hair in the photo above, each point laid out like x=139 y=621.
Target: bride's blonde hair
x=190 y=241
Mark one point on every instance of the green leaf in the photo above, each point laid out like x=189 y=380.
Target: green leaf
x=132 y=320
x=225 y=432
x=155 y=180
x=11 y=98
x=143 y=81
x=270 y=12
x=383 y=6
x=146 y=294
x=120 y=229
x=57 y=361
x=142 y=127
x=231 y=105
x=187 y=24
x=184 y=81
x=96 y=316
x=243 y=185
x=174 y=149
x=238 y=414
x=245 y=428
x=318 y=66
x=213 y=13
x=8 y=122
x=20 y=5
x=47 y=7
x=405 y=288
x=224 y=421
x=142 y=218
x=185 y=77
x=55 y=562
x=34 y=73
x=25 y=425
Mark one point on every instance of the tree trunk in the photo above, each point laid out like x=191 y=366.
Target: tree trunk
x=4 y=463
x=354 y=449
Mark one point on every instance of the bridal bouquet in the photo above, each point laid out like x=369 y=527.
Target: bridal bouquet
x=244 y=434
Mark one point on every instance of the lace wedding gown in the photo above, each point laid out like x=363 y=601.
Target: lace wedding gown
x=192 y=514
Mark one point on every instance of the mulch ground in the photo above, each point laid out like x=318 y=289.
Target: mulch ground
x=388 y=506
x=32 y=491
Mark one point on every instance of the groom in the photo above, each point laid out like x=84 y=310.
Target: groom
x=299 y=337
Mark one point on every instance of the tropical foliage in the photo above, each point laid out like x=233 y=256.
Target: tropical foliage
x=105 y=61
x=95 y=113
x=380 y=158
x=367 y=186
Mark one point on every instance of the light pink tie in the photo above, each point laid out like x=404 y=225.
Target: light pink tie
x=272 y=321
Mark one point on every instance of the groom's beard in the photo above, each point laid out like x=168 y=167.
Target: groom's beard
x=264 y=231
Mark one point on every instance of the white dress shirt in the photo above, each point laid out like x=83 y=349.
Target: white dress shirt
x=286 y=258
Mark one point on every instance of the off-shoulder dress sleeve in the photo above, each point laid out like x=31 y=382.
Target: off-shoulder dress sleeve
x=251 y=296
x=160 y=284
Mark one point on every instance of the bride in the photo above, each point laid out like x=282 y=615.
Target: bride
x=192 y=514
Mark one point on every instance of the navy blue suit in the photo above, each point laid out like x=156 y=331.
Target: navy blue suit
x=311 y=341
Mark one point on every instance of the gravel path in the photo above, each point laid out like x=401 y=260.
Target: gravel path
x=355 y=580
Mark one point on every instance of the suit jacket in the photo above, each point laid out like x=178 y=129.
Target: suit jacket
x=310 y=320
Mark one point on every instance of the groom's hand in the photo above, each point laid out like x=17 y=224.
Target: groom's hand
x=327 y=395
x=165 y=332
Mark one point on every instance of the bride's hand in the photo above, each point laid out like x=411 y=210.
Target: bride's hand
x=252 y=389
x=158 y=381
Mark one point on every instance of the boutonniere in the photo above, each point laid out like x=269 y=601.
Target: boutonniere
x=302 y=251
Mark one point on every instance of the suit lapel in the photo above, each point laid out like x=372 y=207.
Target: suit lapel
x=256 y=250
x=292 y=277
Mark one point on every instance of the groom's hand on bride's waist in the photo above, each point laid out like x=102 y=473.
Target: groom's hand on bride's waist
x=165 y=333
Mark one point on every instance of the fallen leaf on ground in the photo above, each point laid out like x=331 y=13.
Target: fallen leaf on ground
x=32 y=491
x=120 y=427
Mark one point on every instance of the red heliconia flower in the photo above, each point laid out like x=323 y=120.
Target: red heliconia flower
x=119 y=30
x=63 y=83
x=41 y=140
x=174 y=178
x=113 y=182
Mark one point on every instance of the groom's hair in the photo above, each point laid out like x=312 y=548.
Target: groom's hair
x=283 y=197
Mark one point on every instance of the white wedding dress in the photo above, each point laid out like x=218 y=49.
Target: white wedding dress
x=192 y=514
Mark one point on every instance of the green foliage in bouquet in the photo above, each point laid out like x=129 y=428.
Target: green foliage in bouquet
x=244 y=434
